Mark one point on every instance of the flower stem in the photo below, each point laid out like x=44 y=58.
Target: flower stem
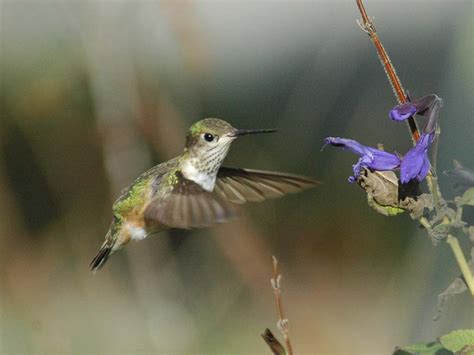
x=368 y=27
x=424 y=222
x=459 y=255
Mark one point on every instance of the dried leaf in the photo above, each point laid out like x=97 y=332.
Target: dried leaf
x=382 y=191
x=467 y=198
x=417 y=206
x=440 y=231
x=383 y=195
x=273 y=343
x=467 y=350
x=457 y=286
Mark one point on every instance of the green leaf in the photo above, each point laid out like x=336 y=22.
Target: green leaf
x=458 y=339
x=422 y=348
x=467 y=198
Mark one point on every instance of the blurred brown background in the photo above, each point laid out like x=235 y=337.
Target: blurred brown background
x=95 y=92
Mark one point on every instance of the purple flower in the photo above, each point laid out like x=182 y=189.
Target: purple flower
x=428 y=106
x=370 y=158
x=415 y=164
x=403 y=111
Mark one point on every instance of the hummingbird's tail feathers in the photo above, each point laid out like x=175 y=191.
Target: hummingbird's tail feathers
x=101 y=257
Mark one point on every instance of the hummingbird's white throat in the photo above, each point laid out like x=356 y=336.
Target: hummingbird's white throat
x=204 y=179
x=203 y=164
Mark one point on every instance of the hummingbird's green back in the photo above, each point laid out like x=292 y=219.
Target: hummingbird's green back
x=157 y=180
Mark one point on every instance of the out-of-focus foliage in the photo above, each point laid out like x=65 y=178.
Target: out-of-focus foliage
x=459 y=342
x=467 y=198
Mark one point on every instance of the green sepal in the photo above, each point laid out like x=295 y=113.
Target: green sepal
x=385 y=210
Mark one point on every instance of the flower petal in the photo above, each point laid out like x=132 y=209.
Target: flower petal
x=428 y=106
x=415 y=164
x=425 y=168
x=346 y=144
x=383 y=161
x=363 y=162
x=371 y=158
x=403 y=111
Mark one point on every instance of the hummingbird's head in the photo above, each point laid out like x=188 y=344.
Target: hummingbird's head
x=213 y=136
x=208 y=141
x=209 y=134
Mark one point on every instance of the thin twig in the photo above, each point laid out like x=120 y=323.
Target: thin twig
x=468 y=278
x=273 y=343
x=368 y=27
x=282 y=321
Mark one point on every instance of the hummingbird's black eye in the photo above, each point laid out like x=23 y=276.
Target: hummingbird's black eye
x=208 y=137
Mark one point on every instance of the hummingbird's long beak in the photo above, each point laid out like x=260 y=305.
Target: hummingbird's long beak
x=244 y=132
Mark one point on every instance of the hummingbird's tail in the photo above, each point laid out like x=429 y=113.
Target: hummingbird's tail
x=102 y=256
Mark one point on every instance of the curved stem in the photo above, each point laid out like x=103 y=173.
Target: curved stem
x=459 y=255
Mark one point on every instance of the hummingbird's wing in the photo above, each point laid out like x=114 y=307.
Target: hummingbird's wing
x=188 y=205
x=245 y=185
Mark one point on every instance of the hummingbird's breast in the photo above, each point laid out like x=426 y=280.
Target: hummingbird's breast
x=193 y=170
x=202 y=167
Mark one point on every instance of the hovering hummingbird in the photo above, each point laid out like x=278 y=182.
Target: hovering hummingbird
x=192 y=190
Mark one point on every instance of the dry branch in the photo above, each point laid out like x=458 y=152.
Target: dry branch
x=282 y=322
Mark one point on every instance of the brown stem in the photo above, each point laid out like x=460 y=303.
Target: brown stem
x=282 y=321
x=368 y=27
x=363 y=13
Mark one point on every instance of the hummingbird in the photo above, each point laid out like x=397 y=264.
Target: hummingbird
x=192 y=190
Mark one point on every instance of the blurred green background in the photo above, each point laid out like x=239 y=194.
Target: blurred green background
x=95 y=92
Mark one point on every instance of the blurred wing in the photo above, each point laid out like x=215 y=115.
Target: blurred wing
x=188 y=205
x=245 y=185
